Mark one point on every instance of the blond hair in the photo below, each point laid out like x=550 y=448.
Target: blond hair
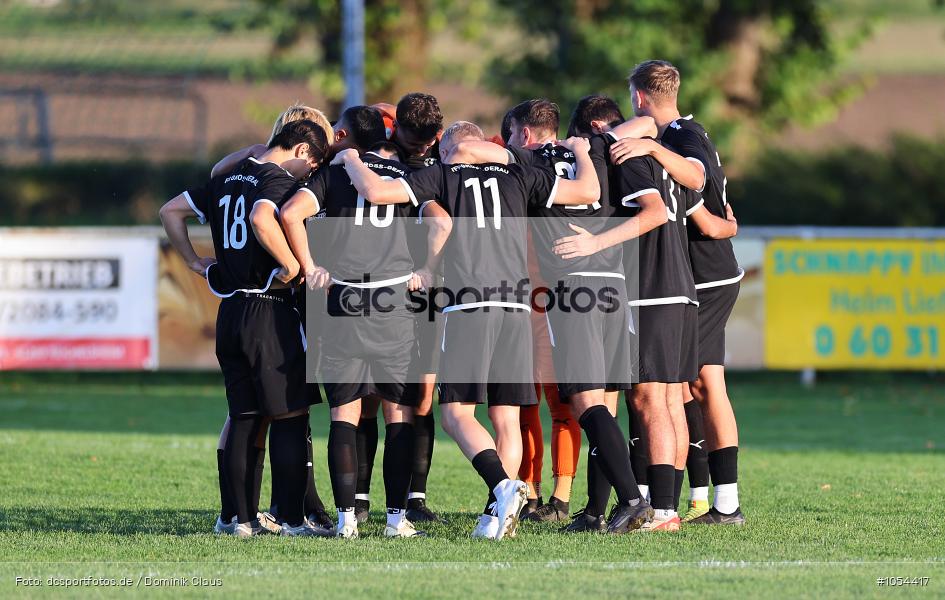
x=657 y=78
x=463 y=130
x=299 y=111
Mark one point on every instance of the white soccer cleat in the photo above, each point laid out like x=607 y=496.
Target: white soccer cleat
x=404 y=529
x=348 y=531
x=510 y=495
x=487 y=528
x=306 y=529
x=242 y=530
x=220 y=527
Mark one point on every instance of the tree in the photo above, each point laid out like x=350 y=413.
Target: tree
x=749 y=67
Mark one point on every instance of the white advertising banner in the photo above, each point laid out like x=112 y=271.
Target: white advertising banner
x=76 y=300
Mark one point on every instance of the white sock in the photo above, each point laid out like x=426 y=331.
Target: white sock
x=644 y=491
x=413 y=495
x=699 y=493
x=395 y=516
x=664 y=513
x=346 y=517
x=364 y=497
x=726 y=498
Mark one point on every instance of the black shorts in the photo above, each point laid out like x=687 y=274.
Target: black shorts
x=261 y=350
x=715 y=307
x=365 y=355
x=487 y=356
x=668 y=338
x=590 y=336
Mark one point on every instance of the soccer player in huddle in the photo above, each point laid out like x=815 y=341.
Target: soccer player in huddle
x=484 y=358
x=654 y=86
x=415 y=131
x=364 y=257
x=259 y=346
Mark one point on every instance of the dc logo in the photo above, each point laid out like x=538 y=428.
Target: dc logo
x=350 y=302
x=321 y=214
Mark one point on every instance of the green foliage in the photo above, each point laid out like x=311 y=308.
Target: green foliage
x=900 y=186
x=745 y=65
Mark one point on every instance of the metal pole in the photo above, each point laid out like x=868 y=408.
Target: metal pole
x=352 y=34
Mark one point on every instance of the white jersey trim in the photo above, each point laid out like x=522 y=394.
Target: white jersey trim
x=263 y=290
x=420 y=213
x=626 y=199
x=413 y=198
x=258 y=162
x=496 y=303
x=598 y=274
x=373 y=284
x=661 y=301
x=275 y=206
x=551 y=333
x=202 y=218
x=696 y=207
x=705 y=172
x=721 y=282
x=554 y=192
x=318 y=205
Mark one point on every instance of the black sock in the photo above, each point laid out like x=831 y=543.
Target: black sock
x=287 y=449
x=226 y=502
x=604 y=434
x=680 y=474
x=698 y=461
x=598 y=488
x=239 y=463
x=723 y=465
x=489 y=467
x=258 y=477
x=367 y=450
x=639 y=454
x=313 y=503
x=343 y=462
x=424 y=428
x=398 y=451
x=662 y=478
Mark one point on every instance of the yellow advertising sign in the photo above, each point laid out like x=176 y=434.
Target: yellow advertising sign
x=873 y=304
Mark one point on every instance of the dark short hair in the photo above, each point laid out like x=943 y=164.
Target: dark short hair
x=387 y=146
x=420 y=114
x=539 y=114
x=506 y=131
x=594 y=108
x=365 y=124
x=303 y=132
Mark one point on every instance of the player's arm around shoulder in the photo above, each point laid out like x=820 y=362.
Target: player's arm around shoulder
x=585 y=187
x=174 y=215
x=369 y=184
x=478 y=151
x=229 y=162
x=300 y=206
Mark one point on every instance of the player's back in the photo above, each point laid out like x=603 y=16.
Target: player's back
x=225 y=204
x=658 y=259
x=354 y=239
x=712 y=259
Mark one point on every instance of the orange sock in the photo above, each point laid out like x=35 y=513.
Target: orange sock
x=565 y=436
x=533 y=446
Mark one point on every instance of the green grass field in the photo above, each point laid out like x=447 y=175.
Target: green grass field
x=114 y=475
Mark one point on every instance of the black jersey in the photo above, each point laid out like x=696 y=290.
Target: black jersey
x=485 y=258
x=713 y=261
x=550 y=223
x=355 y=240
x=432 y=157
x=662 y=266
x=225 y=202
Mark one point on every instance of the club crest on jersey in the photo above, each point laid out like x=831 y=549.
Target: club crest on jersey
x=321 y=214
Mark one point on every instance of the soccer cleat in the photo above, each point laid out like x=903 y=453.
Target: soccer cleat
x=628 y=517
x=404 y=529
x=266 y=523
x=510 y=495
x=348 y=531
x=697 y=508
x=219 y=526
x=362 y=510
x=663 y=524
x=419 y=512
x=531 y=506
x=322 y=519
x=714 y=517
x=241 y=530
x=554 y=510
x=306 y=529
x=487 y=528
x=584 y=523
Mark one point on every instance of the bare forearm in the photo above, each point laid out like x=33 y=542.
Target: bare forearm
x=636 y=127
x=270 y=235
x=634 y=227
x=714 y=227
x=437 y=236
x=298 y=242
x=683 y=170
x=229 y=162
x=176 y=227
